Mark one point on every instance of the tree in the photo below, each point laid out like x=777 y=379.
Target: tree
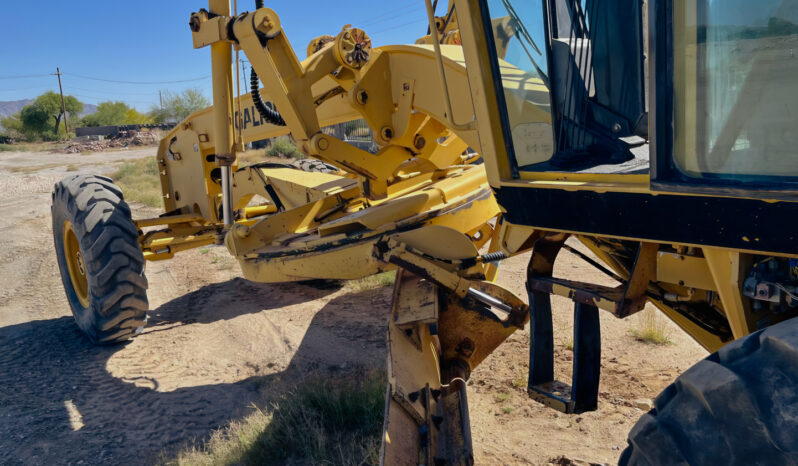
x=13 y=125
x=42 y=118
x=107 y=114
x=115 y=113
x=177 y=106
x=48 y=106
x=133 y=117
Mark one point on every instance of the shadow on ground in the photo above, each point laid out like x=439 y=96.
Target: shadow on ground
x=59 y=404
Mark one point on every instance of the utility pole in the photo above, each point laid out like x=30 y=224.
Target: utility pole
x=160 y=98
x=63 y=105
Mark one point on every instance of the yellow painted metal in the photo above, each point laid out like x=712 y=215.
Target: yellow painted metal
x=728 y=269
x=485 y=104
x=709 y=341
x=259 y=211
x=168 y=220
x=413 y=366
x=294 y=245
x=73 y=256
x=294 y=187
x=685 y=270
x=222 y=73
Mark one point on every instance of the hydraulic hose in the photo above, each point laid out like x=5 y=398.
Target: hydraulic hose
x=270 y=115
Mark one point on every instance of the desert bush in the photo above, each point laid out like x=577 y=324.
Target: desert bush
x=283 y=147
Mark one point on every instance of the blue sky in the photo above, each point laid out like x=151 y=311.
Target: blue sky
x=147 y=40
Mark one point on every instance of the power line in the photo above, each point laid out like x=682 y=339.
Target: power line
x=23 y=76
x=384 y=20
x=400 y=26
x=25 y=88
x=394 y=9
x=138 y=82
x=105 y=99
x=110 y=91
x=389 y=16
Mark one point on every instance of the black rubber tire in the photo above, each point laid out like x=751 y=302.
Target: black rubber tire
x=113 y=262
x=737 y=406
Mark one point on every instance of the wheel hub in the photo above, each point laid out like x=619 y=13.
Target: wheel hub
x=75 y=264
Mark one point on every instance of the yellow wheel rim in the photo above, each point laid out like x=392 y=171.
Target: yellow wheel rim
x=75 y=264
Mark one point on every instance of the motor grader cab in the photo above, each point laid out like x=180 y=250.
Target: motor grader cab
x=671 y=154
x=659 y=137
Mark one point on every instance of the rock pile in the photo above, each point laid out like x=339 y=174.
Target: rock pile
x=123 y=139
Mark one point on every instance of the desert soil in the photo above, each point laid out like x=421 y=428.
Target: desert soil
x=216 y=343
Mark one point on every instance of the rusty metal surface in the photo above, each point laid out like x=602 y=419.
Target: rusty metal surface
x=644 y=272
x=622 y=301
x=415 y=301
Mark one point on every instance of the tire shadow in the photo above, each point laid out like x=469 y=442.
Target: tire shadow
x=59 y=404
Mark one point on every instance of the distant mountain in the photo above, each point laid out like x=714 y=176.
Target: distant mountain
x=13 y=106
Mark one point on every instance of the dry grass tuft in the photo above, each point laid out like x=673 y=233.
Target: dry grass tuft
x=651 y=328
x=373 y=282
x=10 y=148
x=32 y=169
x=140 y=182
x=322 y=421
x=254 y=156
x=251 y=156
x=31 y=147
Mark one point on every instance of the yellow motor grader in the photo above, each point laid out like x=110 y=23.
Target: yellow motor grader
x=660 y=137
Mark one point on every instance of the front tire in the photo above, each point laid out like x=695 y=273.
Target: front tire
x=101 y=264
x=737 y=406
x=314 y=166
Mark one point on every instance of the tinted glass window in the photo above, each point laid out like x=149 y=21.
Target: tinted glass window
x=519 y=34
x=736 y=88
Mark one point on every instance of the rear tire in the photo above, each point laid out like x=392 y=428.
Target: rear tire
x=314 y=166
x=737 y=406
x=101 y=264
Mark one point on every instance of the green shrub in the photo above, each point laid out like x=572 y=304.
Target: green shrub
x=283 y=147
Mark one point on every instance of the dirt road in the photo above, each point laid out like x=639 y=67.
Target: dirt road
x=216 y=343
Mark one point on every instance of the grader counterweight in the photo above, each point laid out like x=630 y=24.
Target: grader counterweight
x=686 y=207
